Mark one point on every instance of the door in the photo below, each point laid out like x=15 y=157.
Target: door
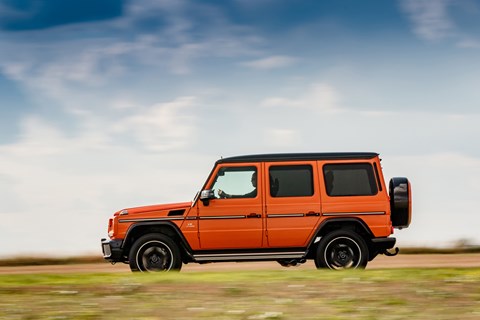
x=234 y=219
x=352 y=189
x=292 y=203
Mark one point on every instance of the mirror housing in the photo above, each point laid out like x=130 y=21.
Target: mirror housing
x=206 y=195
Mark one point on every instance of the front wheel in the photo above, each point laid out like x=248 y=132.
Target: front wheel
x=342 y=249
x=153 y=253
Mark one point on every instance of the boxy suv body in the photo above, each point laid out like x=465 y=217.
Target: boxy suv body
x=333 y=208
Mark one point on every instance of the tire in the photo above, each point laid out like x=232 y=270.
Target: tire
x=342 y=249
x=153 y=253
x=400 y=202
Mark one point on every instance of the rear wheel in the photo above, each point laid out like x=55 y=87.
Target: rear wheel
x=342 y=249
x=153 y=253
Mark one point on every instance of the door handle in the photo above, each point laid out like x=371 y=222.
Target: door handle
x=254 y=215
x=312 y=214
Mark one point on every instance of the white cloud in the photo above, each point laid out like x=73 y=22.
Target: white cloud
x=254 y=4
x=35 y=132
x=71 y=69
x=62 y=186
x=123 y=149
x=430 y=18
x=323 y=96
x=469 y=43
x=273 y=62
x=15 y=71
x=9 y=12
x=318 y=96
x=61 y=62
x=163 y=126
x=445 y=191
x=284 y=138
x=281 y=102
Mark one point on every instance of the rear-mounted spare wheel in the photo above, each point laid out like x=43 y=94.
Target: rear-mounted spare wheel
x=400 y=202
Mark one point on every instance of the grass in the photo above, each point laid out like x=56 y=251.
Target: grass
x=454 y=250
x=284 y=294
x=43 y=261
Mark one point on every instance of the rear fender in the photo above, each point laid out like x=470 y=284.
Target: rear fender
x=332 y=224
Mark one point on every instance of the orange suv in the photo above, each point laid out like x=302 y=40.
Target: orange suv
x=333 y=208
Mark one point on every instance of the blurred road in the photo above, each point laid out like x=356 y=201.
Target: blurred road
x=381 y=262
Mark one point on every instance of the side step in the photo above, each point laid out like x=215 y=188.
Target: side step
x=224 y=257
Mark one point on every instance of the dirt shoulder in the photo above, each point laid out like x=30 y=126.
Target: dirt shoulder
x=381 y=262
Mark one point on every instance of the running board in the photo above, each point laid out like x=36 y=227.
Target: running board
x=248 y=256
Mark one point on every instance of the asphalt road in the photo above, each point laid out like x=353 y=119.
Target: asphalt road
x=381 y=262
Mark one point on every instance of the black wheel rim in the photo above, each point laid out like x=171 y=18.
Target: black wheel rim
x=154 y=256
x=343 y=253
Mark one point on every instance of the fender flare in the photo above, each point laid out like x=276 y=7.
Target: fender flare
x=345 y=221
x=163 y=224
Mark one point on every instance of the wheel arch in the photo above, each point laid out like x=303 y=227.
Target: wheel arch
x=353 y=224
x=167 y=228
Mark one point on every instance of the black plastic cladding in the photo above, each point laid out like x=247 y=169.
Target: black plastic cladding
x=299 y=157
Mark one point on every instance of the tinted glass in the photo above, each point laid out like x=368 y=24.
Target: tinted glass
x=291 y=181
x=349 y=179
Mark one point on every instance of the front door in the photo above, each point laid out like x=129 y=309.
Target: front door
x=234 y=219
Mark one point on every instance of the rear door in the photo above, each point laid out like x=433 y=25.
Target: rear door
x=292 y=202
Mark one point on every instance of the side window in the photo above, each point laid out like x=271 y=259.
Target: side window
x=291 y=181
x=235 y=182
x=355 y=179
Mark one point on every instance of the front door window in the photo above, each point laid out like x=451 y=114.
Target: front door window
x=236 y=182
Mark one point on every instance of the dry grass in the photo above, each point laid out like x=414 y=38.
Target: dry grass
x=303 y=294
x=454 y=250
x=44 y=261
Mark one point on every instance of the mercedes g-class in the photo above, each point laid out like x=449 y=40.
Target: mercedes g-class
x=333 y=208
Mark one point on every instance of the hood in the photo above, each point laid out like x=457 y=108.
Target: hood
x=155 y=208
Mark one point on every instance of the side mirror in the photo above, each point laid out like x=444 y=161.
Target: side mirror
x=206 y=195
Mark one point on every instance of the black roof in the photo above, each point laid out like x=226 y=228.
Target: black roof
x=299 y=156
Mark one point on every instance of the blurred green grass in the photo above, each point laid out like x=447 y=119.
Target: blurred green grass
x=445 y=293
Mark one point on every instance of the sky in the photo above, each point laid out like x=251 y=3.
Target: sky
x=111 y=104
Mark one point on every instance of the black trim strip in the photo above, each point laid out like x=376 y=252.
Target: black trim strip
x=378 y=176
x=150 y=219
x=373 y=213
x=222 y=217
x=286 y=215
x=184 y=218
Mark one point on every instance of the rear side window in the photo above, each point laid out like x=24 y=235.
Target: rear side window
x=355 y=179
x=291 y=181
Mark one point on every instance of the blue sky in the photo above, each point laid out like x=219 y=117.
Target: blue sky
x=112 y=104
